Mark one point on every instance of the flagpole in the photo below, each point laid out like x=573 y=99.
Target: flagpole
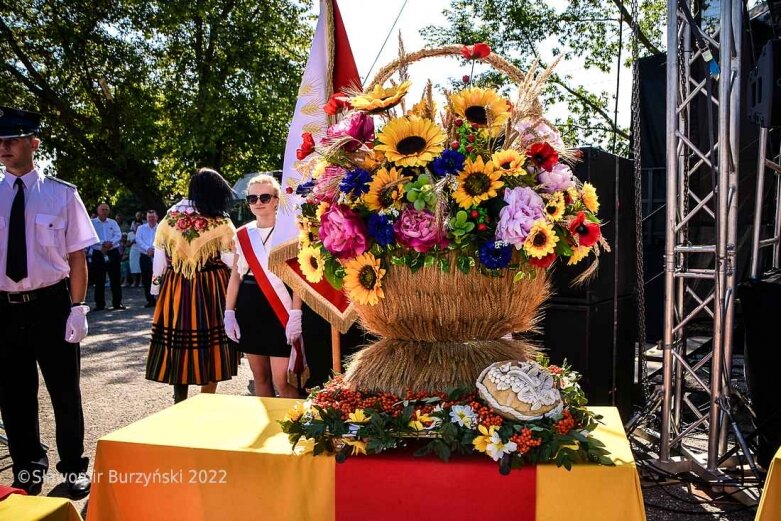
x=336 y=350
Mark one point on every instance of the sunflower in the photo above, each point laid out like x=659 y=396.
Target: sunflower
x=321 y=209
x=571 y=196
x=380 y=98
x=477 y=183
x=411 y=141
x=541 y=240
x=554 y=208
x=509 y=162
x=362 y=279
x=484 y=107
x=311 y=262
x=307 y=234
x=578 y=254
x=386 y=190
x=589 y=197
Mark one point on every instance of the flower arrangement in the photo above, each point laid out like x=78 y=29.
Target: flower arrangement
x=342 y=420
x=484 y=185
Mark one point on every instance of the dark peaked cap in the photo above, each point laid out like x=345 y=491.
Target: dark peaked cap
x=18 y=123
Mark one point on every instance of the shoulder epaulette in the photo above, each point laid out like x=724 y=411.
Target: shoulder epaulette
x=58 y=180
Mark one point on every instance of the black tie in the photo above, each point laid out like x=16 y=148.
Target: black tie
x=16 y=267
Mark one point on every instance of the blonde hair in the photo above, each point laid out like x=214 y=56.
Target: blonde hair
x=265 y=179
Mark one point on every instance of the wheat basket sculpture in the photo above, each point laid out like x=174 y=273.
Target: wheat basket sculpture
x=441 y=234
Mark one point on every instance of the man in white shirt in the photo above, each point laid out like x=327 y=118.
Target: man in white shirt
x=44 y=229
x=145 y=240
x=105 y=259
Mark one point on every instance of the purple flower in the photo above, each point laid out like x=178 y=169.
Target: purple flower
x=417 y=229
x=540 y=132
x=450 y=162
x=359 y=126
x=381 y=229
x=343 y=232
x=494 y=255
x=516 y=219
x=557 y=180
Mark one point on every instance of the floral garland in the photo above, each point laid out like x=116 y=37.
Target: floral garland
x=341 y=420
x=486 y=189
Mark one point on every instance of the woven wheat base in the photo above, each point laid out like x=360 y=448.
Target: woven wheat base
x=398 y=365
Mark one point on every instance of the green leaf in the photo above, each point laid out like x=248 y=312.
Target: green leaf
x=429 y=260
x=519 y=276
x=562 y=247
x=332 y=267
x=463 y=263
x=444 y=264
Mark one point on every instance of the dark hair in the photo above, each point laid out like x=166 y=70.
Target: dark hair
x=211 y=195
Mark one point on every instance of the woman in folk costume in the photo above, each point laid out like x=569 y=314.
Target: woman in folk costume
x=193 y=246
x=258 y=303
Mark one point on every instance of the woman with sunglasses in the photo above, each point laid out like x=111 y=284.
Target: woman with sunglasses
x=193 y=252
x=250 y=319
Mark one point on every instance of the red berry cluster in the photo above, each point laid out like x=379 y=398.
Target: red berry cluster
x=466 y=133
x=525 y=440
x=566 y=424
x=480 y=217
x=486 y=417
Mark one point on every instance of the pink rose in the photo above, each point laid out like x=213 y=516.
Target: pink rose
x=200 y=224
x=417 y=229
x=343 y=232
x=359 y=126
x=183 y=223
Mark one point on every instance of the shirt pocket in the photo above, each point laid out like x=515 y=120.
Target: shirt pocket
x=50 y=230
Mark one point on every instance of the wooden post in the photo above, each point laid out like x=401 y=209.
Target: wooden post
x=336 y=350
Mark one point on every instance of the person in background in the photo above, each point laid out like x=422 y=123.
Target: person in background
x=138 y=220
x=105 y=259
x=193 y=252
x=134 y=261
x=123 y=226
x=250 y=320
x=43 y=281
x=145 y=241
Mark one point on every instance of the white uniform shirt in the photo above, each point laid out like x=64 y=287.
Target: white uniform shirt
x=257 y=236
x=107 y=230
x=145 y=237
x=56 y=223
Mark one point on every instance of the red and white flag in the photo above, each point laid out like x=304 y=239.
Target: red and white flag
x=330 y=68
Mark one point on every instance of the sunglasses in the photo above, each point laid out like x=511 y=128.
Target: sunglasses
x=263 y=198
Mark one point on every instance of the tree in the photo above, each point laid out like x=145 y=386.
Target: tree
x=137 y=94
x=587 y=30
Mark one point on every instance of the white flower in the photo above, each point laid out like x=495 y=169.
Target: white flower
x=463 y=415
x=496 y=448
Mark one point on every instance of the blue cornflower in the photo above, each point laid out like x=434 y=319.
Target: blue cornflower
x=304 y=189
x=355 y=182
x=381 y=229
x=450 y=162
x=494 y=255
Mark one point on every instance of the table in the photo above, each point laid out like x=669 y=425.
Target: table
x=770 y=503
x=225 y=457
x=17 y=507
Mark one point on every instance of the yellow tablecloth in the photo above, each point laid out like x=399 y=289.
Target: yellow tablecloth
x=34 y=508
x=224 y=457
x=770 y=503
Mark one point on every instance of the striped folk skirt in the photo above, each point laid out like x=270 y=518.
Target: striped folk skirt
x=189 y=345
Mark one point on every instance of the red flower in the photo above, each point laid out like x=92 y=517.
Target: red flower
x=543 y=155
x=183 y=223
x=476 y=51
x=199 y=223
x=337 y=102
x=307 y=146
x=588 y=233
x=544 y=262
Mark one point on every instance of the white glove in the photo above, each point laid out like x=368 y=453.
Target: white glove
x=231 y=326
x=76 y=327
x=293 y=329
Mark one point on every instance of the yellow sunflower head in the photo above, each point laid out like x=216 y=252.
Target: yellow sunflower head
x=509 y=162
x=571 y=196
x=541 y=240
x=311 y=262
x=483 y=107
x=307 y=234
x=578 y=254
x=321 y=209
x=478 y=182
x=380 y=98
x=554 y=207
x=386 y=190
x=589 y=197
x=363 y=279
x=411 y=141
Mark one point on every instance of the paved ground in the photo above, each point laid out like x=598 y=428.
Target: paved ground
x=115 y=394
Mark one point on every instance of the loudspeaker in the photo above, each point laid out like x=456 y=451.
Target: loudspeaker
x=583 y=335
x=761 y=305
x=599 y=168
x=764 y=87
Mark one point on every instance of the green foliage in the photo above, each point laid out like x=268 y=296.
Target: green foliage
x=421 y=193
x=138 y=94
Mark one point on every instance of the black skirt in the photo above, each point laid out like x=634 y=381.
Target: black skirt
x=261 y=331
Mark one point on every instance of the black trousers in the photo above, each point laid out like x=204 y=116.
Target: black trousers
x=146 y=276
x=32 y=335
x=101 y=268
